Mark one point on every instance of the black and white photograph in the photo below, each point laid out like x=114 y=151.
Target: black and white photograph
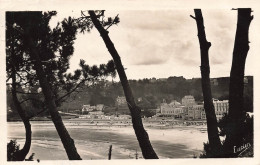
x=124 y=83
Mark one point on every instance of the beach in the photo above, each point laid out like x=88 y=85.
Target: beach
x=93 y=141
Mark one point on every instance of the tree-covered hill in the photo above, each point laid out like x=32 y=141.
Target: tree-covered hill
x=150 y=92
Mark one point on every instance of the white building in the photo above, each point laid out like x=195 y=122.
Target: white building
x=188 y=100
x=96 y=113
x=221 y=107
x=195 y=112
x=86 y=108
x=100 y=107
x=172 y=109
x=121 y=101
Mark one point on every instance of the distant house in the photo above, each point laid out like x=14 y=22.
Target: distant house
x=188 y=100
x=175 y=103
x=189 y=109
x=178 y=111
x=121 y=105
x=96 y=113
x=173 y=109
x=86 y=108
x=121 y=101
x=195 y=112
x=192 y=110
x=221 y=107
x=89 y=108
x=100 y=107
x=203 y=114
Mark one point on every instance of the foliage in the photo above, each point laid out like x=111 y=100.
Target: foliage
x=247 y=129
x=86 y=24
x=12 y=149
x=207 y=151
x=55 y=47
x=148 y=113
x=247 y=132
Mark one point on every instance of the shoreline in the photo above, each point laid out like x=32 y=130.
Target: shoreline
x=155 y=126
x=93 y=140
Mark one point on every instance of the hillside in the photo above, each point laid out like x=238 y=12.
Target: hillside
x=152 y=91
x=148 y=93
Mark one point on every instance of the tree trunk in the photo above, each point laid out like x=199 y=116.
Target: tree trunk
x=21 y=154
x=67 y=141
x=236 y=113
x=142 y=136
x=214 y=140
x=110 y=152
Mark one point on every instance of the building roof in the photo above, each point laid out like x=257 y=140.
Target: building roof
x=188 y=97
x=174 y=102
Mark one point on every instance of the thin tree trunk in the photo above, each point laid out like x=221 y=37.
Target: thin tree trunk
x=141 y=134
x=214 y=140
x=67 y=141
x=110 y=152
x=236 y=113
x=21 y=154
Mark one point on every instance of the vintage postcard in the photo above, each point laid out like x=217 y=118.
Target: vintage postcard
x=175 y=82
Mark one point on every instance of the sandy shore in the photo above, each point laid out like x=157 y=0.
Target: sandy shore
x=93 y=142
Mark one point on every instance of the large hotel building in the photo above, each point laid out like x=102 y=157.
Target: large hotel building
x=190 y=110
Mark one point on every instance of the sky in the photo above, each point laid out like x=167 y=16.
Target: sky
x=163 y=43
